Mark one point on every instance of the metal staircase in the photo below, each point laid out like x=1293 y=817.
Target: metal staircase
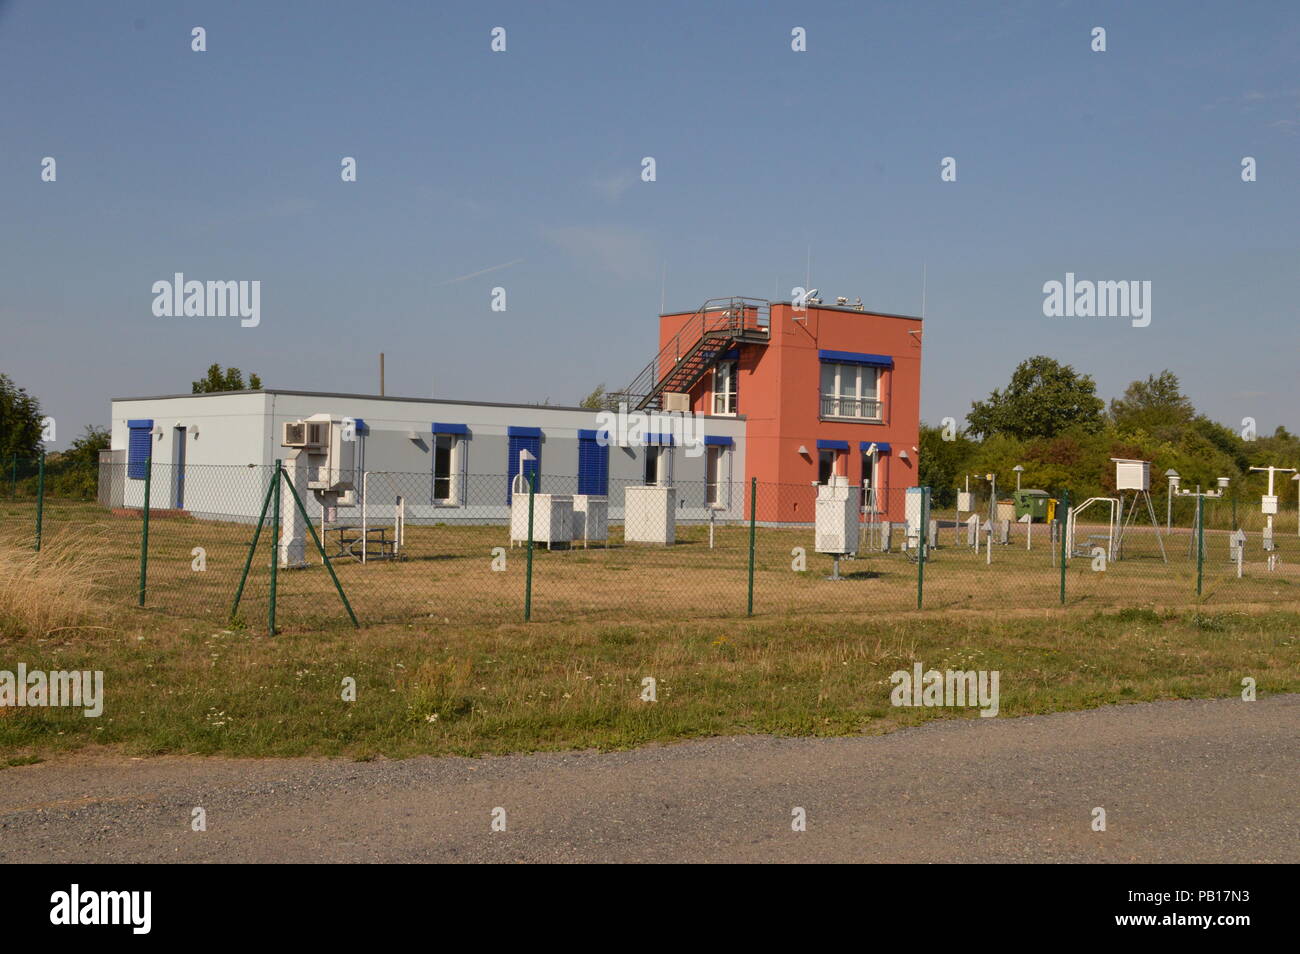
x=718 y=324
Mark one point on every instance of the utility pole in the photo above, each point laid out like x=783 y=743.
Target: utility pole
x=381 y=374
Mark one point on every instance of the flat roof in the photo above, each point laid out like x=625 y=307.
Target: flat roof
x=384 y=397
x=823 y=307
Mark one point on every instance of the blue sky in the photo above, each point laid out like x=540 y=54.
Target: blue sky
x=225 y=165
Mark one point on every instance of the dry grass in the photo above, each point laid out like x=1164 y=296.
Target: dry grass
x=55 y=589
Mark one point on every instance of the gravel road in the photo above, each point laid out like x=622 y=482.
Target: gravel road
x=1192 y=781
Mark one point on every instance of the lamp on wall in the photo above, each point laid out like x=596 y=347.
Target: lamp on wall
x=803 y=451
x=902 y=455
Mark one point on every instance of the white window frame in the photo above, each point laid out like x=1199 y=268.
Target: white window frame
x=456 y=471
x=726 y=388
x=835 y=464
x=662 y=454
x=858 y=391
x=872 y=470
x=722 y=454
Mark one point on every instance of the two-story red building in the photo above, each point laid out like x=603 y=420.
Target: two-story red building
x=823 y=389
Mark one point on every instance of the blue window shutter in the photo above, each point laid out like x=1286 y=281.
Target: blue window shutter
x=522 y=442
x=593 y=465
x=139 y=448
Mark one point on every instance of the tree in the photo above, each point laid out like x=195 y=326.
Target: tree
x=74 y=473
x=1045 y=398
x=232 y=379
x=943 y=464
x=599 y=400
x=20 y=421
x=1156 y=405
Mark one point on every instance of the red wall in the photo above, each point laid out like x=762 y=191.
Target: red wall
x=779 y=396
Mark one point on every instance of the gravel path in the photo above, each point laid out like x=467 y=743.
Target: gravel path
x=1205 y=781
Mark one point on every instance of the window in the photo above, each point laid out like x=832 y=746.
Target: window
x=593 y=464
x=449 y=451
x=658 y=466
x=524 y=439
x=139 y=448
x=444 y=453
x=715 y=476
x=850 y=390
x=724 y=388
x=826 y=465
x=875 y=468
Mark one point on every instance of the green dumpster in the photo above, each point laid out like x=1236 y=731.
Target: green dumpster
x=1032 y=502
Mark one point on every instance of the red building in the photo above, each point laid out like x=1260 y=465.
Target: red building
x=823 y=389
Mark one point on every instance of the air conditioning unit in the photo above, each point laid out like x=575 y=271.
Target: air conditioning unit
x=677 y=401
x=308 y=434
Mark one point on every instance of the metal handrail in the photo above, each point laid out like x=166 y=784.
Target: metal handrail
x=717 y=315
x=854 y=407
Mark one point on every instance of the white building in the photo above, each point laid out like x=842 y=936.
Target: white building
x=452 y=461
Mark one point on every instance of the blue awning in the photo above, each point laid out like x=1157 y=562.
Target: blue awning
x=523 y=432
x=881 y=446
x=586 y=435
x=718 y=440
x=833 y=445
x=665 y=440
x=359 y=425
x=855 y=357
x=440 y=428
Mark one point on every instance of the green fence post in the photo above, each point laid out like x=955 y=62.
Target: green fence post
x=252 y=549
x=320 y=548
x=144 y=529
x=921 y=548
x=753 y=524
x=40 y=501
x=275 y=548
x=1200 y=542
x=528 y=579
x=1064 y=518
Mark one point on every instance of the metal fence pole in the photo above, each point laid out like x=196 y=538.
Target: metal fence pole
x=528 y=578
x=753 y=526
x=1200 y=542
x=144 y=531
x=40 y=501
x=320 y=548
x=13 y=477
x=921 y=548
x=1064 y=524
x=275 y=548
x=252 y=549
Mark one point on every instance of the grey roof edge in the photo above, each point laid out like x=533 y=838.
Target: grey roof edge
x=845 y=308
x=406 y=400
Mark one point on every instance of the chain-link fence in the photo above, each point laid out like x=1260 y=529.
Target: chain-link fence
x=471 y=548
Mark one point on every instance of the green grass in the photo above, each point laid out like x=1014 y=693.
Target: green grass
x=182 y=687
